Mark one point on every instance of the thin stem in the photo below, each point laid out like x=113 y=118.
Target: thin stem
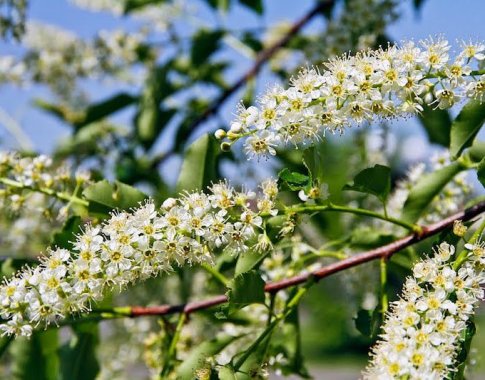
x=352 y=210
x=356 y=259
x=290 y=306
x=223 y=280
x=172 y=349
x=57 y=194
x=463 y=255
x=383 y=286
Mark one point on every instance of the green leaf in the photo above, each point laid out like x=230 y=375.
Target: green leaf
x=477 y=151
x=368 y=322
x=375 y=181
x=223 y=5
x=134 y=5
x=313 y=161
x=247 y=261
x=10 y=265
x=466 y=126
x=197 y=357
x=78 y=357
x=104 y=196
x=227 y=373
x=464 y=350
x=199 y=167
x=150 y=118
x=481 y=172
x=437 y=123
x=91 y=114
x=427 y=187
x=287 y=340
x=36 y=358
x=246 y=288
x=255 y=5
x=295 y=181
x=204 y=44
x=64 y=237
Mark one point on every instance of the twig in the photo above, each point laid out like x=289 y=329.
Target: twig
x=385 y=251
x=261 y=59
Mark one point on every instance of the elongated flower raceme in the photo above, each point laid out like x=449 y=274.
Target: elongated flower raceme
x=423 y=331
x=131 y=246
x=21 y=178
x=385 y=83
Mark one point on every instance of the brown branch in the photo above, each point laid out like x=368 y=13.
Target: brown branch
x=385 y=251
x=260 y=60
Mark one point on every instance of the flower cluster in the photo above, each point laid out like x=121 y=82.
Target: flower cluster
x=21 y=177
x=424 y=329
x=12 y=18
x=385 y=83
x=131 y=246
x=57 y=57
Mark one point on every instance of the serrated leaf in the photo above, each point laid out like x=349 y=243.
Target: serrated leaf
x=246 y=288
x=104 y=196
x=78 y=357
x=481 y=172
x=205 y=43
x=36 y=358
x=437 y=123
x=64 y=237
x=255 y=5
x=197 y=357
x=294 y=180
x=427 y=187
x=247 y=261
x=199 y=167
x=466 y=126
x=375 y=181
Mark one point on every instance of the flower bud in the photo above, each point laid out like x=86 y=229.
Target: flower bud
x=169 y=203
x=220 y=134
x=459 y=229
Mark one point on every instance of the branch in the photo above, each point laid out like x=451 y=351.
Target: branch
x=385 y=252
x=261 y=59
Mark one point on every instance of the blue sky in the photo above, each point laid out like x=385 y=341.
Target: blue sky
x=454 y=19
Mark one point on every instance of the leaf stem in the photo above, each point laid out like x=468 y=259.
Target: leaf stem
x=358 y=211
x=218 y=276
x=291 y=304
x=44 y=190
x=383 y=286
x=172 y=349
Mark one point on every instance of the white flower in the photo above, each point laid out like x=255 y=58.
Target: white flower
x=132 y=246
x=385 y=83
x=424 y=330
